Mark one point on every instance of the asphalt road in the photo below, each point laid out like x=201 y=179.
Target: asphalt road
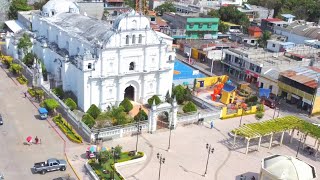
x=16 y=159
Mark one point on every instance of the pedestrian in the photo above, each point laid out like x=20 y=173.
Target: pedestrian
x=25 y=94
x=36 y=139
x=211 y=124
x=253 y=178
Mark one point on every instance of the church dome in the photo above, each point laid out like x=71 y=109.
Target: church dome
x=53 y=7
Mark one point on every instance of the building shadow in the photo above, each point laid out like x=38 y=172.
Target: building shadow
x=248 y=176
x=189 y=171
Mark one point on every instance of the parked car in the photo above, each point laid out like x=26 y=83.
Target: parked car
x=268 y=102
x=1 y=120
x=50 y=165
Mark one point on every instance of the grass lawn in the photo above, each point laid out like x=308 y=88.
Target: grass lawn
x=98 y=168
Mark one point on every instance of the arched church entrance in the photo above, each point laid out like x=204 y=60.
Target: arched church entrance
x=163 y=120
x=129 y=93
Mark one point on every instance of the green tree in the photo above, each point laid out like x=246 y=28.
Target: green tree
x=214 y=13
x=154 y=98
x=24 y=43
x=28 y=59
x=130 y=3
x=117 y=151
x=58 y=92
x=233 y=15
x=94 y=111
x=127 y=105
x=71 y=104
x=165 y=7
x=266 y=35
x=142 y=115
x=182 y=94
x=51 y=104
x=189 y=107
x=104 y=156
x=116 y=115
x=39 y=94
x=223 y=28
x=18 y=5
x=88 y=120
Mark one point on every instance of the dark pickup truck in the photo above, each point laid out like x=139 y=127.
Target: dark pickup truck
x=50 y=165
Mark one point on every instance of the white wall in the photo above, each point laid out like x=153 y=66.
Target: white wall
x=273 y=46
x=267 y=83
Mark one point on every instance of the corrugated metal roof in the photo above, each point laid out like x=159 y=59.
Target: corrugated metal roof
x=304 y=75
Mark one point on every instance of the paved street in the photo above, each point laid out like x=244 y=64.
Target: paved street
x=19 y=122
x=187 y=158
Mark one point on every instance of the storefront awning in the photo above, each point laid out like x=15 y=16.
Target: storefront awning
x=14 y=26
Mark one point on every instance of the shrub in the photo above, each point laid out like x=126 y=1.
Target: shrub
x=88 y=120
x=260 y=107
x=251 y=99
x=28 y=59
x=71 y=104
x=7 y=60
x=67 y=129
x=179 y=93
x=32 y=92
x=15 y=68
x=189 y=107
x=154 y=98
x=94 y=111
x=22 y=80
x=259 y=114
x=127 y=105
x=51 y=104
x=141 y=115
x=58 y=92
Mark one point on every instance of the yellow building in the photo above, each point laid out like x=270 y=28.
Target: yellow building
x=299 y=86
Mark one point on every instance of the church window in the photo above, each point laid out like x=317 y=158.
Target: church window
x=131 y=66
x=133 y=39
x=134 y=24
x=89 y=65
x=170 y=58
x=140 y=38
x=127 y=39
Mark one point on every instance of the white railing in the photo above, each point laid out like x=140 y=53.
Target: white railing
x=121 y=131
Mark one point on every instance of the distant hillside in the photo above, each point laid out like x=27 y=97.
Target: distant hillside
x=303 y=9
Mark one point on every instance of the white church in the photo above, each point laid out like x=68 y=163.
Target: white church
x=101 y=63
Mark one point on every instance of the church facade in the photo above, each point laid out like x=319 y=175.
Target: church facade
x=102 y=63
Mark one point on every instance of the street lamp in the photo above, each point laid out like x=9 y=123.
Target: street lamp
x=113 y=151
x=161 y=161
x=302 y=137
x=210 y=151
x=171 y=127
x=139 y=128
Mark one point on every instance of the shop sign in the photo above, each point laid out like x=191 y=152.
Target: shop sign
x=252 y=74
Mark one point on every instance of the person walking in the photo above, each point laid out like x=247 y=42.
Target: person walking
x=211 y=124
x=36 y=139
x=25 y=94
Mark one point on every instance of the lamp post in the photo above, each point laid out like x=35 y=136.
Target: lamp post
x=161 y=161
x=139 y=128
x=210 y=151
x=114 y=161
x=241 y=118
x=171 y=127
x=302 y=137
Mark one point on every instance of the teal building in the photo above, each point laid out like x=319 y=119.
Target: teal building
x=202 y=28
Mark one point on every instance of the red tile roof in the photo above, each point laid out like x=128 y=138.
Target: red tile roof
x=254 y=28
x=272 y=19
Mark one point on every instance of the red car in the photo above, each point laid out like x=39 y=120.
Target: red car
x=269 y=102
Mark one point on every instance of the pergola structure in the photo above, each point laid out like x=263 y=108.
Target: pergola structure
x=274 y=126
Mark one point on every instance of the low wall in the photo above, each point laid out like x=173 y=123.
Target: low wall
x=91 y=172
x=225 y=115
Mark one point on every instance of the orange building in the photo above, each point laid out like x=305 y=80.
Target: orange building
x=255 y=31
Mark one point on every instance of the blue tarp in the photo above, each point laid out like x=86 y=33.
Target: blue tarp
x=264 y=92
x=43 y=111
x=228 y=88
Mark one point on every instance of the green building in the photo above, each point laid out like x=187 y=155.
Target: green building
x=202 y=28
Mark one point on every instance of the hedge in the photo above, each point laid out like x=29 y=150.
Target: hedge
x=71 y=104
x=22 y=80
x=67 y=129
x=189 y=107
x=32 y=92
